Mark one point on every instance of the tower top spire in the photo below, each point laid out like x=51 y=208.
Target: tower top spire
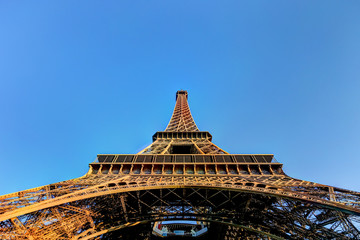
x=182 y=92
x=181 y=119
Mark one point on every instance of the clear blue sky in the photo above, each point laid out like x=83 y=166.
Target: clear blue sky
x=81 y=78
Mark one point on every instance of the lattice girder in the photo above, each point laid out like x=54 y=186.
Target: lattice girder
x=260 y=213
x=162 y=146
x=181 y=120
x=100 y=184
x=287 y=189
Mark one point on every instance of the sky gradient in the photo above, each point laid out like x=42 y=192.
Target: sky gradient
x=83 y=78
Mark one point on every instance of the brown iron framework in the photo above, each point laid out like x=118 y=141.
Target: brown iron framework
x=182 y=175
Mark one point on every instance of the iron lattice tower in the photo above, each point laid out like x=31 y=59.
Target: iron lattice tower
x=182 y=175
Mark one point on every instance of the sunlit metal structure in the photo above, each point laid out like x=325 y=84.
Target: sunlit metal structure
x=182 y=175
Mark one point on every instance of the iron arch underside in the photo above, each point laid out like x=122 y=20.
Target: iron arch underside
x=257 y=213
x=265 y=215
x=94 y=186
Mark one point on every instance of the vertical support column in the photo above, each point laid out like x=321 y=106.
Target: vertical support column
x=184 y=198
x=332 y=194
x=138 y=197
x=122 y=199
x=47 y=189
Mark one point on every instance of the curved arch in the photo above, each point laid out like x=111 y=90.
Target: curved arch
x=105 y=189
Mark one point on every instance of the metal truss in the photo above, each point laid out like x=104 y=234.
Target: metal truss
x=303 y=206
x=240 y=196
x=181 y=120
x=162 y=146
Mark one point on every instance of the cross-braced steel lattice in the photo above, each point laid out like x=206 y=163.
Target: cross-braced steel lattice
x=182 y=175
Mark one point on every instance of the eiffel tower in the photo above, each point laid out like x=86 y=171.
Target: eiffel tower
x=182 y=181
